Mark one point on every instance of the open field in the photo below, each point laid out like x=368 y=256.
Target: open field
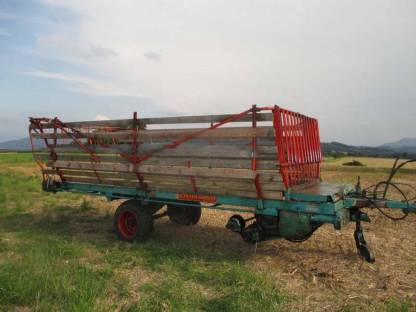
x=59 y=252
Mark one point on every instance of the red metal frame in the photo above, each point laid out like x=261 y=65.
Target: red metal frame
x=296 y=139
x=298 y=146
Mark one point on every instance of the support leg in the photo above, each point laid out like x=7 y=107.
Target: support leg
x=361 y=244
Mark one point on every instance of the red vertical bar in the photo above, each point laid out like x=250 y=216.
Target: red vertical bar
x=309 y=145
x=319 y=151
x=299 y=148
x=254 y=139
x=287 y=146
x=295 y=161
x=278 y=130
x=318 y=145
x=301 y=138
x=313 y=151
x=316 y=148
x=305 y=144
x=299 y=134
x=319 y=140
x=308 y=126
x=299 y=163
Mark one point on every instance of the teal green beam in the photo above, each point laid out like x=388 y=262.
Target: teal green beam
x=266 y=207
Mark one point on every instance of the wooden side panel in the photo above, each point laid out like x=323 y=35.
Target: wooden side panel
x=213 y=162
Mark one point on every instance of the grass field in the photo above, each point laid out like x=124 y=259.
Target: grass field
x=58 y=252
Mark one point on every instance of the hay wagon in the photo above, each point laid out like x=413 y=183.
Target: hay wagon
x=264 y=161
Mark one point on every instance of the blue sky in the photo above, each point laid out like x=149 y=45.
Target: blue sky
x=22 y=23
x=351 y=64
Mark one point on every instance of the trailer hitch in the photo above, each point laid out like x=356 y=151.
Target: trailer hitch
x=375 y=196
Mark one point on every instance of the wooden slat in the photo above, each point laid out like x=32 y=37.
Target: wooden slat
x=128 y=123
x=173 y=161
x=217 y=182
x=186 y=184
x=181 y=189
x=167 y=170
x=143 y=135
x=188 y=152
x=180 y=151
x=267 y=141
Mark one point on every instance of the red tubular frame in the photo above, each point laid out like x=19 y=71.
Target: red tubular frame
x=298 y=146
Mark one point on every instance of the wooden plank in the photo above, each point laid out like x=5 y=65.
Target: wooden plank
x=273 y=178
x=145 y=135
x=267 y=141
x=171 y=161
x=185 y=183
x=161 y=170
x=180 y=151
x=269 y=176
x=186 y=150
x=128 y=123
x=181 y=189
x=225 y=145
x=158 y=148
x=201 y=182
x=226 y=173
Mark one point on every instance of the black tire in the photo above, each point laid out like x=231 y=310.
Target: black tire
x=184 y=215
x=133 y=221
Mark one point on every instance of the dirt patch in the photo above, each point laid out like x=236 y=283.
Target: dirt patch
x=324 y=271
x=136 y=277
x=26 y=170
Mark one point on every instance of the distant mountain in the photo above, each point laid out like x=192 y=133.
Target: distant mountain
x=405 y=145
x=16 y=145
x=405 y=142
x=336 y=148
x=410 y=150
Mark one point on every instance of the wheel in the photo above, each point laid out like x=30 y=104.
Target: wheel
x=184 y=215
x=133 y=221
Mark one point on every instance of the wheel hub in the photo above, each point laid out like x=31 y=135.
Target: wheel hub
x=128 y=224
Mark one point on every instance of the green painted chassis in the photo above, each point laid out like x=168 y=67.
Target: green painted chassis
x=337 y=205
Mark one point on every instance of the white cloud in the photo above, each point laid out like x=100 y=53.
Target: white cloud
x=101 y=117
x=85 y=84
x=338 y=60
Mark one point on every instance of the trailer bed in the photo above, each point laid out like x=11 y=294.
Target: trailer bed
x=258 y=158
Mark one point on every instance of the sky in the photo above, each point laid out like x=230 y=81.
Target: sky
x=351 y=64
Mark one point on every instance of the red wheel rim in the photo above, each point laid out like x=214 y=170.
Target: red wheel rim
x=127 y=224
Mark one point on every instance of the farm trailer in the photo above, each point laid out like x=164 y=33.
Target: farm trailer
x=264 y=161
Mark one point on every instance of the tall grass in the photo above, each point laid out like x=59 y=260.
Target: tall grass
x=47 y=276
x=16 y=158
